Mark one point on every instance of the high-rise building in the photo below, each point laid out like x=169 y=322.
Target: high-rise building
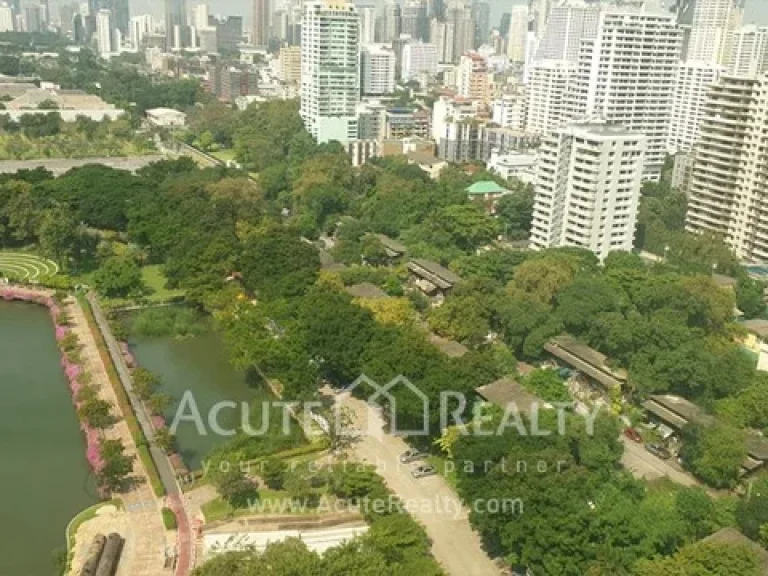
x=176 y=29
x=367 y=24
x=34 y=18
x=418 y=58
x=229 y=33
x=472 y=77
x=104 y=32
x=518 y=34
x=567 y=26
x=414 y=20
x=460 y=19
x=481 y=15
x=391 y=23
x=712 y=23
x=442 y=36
x=6 y=18
x=727 y=193
x=539 y=15
x=377 y=69
x=588 y=188
x=506 y=20
x=693 y=82
x=121 y=13
x=330 y=71
x=748 y=51
x=140 y=26
x=289 y=64
x=627 y=73
x=261 y=17
x=547 y=88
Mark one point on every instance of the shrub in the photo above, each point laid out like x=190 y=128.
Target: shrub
x=169 y=519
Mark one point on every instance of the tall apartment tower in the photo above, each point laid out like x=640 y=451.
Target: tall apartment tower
x=330 y=71
x=728 y=193
x=748 y=51
x=588 y=188
x=626 y=75
x=367 y=24
x=694 y=78
x=547 y=88
x=568 y=24
x=709 y=26
x=261 y=18
x=377 y=69
x=104 y=32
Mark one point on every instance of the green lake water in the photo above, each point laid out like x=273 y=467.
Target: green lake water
x=198 y=365
x=44 y=476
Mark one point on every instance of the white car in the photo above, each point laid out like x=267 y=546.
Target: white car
x=411 y=456
x=423 y=470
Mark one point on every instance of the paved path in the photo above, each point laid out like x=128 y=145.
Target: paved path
x=141 y=524
x=59 y=166
x=175 y=500
x=454 y=544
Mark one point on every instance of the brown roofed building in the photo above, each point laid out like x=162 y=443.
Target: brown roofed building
x=432 y=278
x=366 y=290
x=586 y=360
x=507 y=392
x=733 y=537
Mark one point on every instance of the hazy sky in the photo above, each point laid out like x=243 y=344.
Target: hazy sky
x=757 y=10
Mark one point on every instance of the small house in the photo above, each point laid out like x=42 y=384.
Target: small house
x=431 y=278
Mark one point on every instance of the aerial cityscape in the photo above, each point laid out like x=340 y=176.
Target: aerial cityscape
x=384 y=287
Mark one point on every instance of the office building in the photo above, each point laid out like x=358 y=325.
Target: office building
x=539 y=14
x=463 y=27
x=413 y=20
x=176 y=30
x=418 y=59
x=511 y=110
x=518 y=34
x=441 y=35
x=261 y=17
x=140 y=26
x=627 y=73
x=588 y=188
x=377 y=70
x=727 y=194
x=547 y=88
x=748 y=51
x=391 y=22
x=330 y=71
x=229 y=33
x=289 y=64
x=481 y=16
x=692 y=85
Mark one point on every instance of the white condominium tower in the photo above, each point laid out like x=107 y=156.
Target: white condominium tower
x=569 y=23
x=709 y=25
x=626 y=75
x=547 y=88
x=728 y=193
x=104 y=32
x=330 y=71
x=691 y=88
x=518 y=34
x=377 y=69
x=588 y=188
x=748 y=51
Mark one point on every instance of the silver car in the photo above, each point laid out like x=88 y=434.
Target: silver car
x=423 y=470
x=411 y=456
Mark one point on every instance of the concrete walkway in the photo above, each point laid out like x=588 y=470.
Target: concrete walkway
x=165 y=470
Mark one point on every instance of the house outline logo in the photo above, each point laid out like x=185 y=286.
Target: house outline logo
x=379 y=391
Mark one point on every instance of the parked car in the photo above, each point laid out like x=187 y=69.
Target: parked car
x=633 y=435
x=411 y=456
x=423 y=470
x=659 y=451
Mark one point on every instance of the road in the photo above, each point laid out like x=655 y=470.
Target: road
x=454 y=544
x=643 y=464
x=164 y=468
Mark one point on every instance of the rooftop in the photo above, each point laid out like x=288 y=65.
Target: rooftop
x=365 y=290
x=448 y=347
x=486 y=187
x=585 y=359
x=724 y=281
x=391 y=244
x=433 y=270
x=506 y=391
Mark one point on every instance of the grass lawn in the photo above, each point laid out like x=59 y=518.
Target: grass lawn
x=271 y=502
x=154 y=280
x=224 y=155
